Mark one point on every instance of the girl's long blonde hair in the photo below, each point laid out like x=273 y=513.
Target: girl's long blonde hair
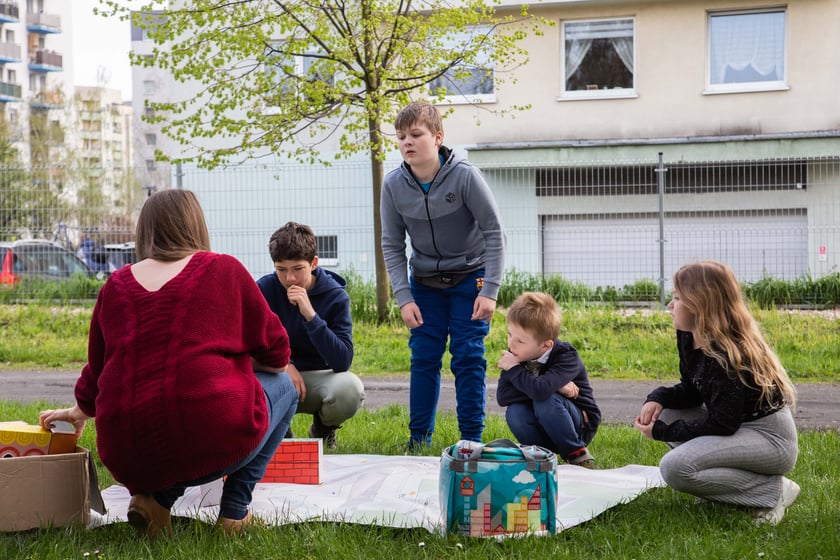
x=726 y=330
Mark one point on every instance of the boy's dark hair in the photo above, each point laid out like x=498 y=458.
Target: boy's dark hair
x=293 y=242
x=537 y=313
x=419 y=112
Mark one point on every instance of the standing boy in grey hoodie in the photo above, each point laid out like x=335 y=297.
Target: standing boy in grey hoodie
x=457 y=261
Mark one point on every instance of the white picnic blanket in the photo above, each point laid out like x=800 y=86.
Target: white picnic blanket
x=393 y=491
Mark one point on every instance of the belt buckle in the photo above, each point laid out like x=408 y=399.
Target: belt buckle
x=445 y=278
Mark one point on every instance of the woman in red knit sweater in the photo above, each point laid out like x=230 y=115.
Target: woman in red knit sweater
x=185 y=374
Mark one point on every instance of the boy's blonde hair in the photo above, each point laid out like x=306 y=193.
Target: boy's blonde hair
x=419 y=112
x=537 y=313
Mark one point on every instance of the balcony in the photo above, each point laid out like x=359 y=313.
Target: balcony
x=47 y=100
x=46 y=61
x=9 y=12
x=10 y=52
x=10 y=92
x=43 y=23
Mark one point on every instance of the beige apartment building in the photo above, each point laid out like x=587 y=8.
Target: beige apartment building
x=741 y=98
x=738 y=99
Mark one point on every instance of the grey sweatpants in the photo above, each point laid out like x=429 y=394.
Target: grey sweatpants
x=334 y=396
x=745 y=468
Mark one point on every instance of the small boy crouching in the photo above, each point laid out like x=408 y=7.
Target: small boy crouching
x=544 y=384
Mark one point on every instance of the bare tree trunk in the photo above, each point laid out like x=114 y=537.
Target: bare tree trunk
x=377 y=173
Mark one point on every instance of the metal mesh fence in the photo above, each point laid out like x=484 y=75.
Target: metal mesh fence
x=601 y=224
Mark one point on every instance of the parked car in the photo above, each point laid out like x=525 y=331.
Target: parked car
x=38 y=258
x=120 y=254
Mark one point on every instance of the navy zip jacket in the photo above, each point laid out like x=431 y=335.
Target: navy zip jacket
x=325 y=342
x=563 y=365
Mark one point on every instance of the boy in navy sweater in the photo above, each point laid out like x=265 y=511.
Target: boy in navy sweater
x=313 y=305
x=544 y=384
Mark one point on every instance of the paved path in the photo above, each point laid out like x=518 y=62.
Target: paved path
x=818 y=406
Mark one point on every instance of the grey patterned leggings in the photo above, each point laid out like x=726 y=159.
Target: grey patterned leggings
x=745 y=468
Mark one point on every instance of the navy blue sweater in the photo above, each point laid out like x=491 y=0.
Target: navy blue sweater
x=325 y=342
x=564 y=364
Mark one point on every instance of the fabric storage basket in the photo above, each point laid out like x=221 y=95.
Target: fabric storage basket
x=497 y=489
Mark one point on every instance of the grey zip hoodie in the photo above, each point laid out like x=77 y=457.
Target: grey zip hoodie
x=455 y=227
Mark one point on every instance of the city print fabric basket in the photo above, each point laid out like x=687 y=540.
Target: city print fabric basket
x=498 y=488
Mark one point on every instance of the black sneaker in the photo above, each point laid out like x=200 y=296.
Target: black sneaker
x=413 y=446
x=320 y=431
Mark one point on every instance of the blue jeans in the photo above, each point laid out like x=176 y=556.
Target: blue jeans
x=446 y=315
x=281 y=399
x=554 y=423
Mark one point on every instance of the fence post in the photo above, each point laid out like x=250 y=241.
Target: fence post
x=660 y=180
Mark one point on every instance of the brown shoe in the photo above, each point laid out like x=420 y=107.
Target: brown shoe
x=148 y=517
x=239 y=526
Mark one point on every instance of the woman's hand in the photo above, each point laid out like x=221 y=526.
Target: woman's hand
x=650 y=413
x=645 y=429
x=73 y=415
x=647 y=418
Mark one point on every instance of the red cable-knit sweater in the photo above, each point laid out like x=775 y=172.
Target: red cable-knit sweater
x=169 y=376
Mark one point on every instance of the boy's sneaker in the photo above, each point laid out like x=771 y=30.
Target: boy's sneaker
x=320 y=431
x=581 y=458
x=790 y=491
x=416 y=446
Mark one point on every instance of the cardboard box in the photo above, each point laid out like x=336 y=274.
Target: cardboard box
x=296 y=461
x=19 y=439
x=48 y=491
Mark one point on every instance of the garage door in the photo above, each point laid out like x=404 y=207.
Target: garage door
x=619 y=250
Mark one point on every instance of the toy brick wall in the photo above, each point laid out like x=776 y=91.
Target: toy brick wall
x=297 y=461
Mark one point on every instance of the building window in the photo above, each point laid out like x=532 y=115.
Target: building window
x=150 y=165
x=151 y=139
x=467 y=84
x=287 y=71
x=149 y=112
x=148 y=87
x=327 y=249
x=598 y=58
x=746 y=51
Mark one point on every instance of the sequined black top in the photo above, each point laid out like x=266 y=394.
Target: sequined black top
x=703 y=381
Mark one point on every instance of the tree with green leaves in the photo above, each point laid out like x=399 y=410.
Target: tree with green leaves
x=282 y=76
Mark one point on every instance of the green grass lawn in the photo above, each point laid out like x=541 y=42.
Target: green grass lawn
x=661 y=523
x=613 y=343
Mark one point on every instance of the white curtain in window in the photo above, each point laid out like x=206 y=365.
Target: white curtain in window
x=624 y=47
x=574 y=55
x=740 y=43
x=580 y=34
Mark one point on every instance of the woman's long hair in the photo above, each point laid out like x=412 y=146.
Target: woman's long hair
x=171 y=226
x=726 y=330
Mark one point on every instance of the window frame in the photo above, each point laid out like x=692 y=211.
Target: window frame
x=612 y=93
x=327 y=249
x=746 y=87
